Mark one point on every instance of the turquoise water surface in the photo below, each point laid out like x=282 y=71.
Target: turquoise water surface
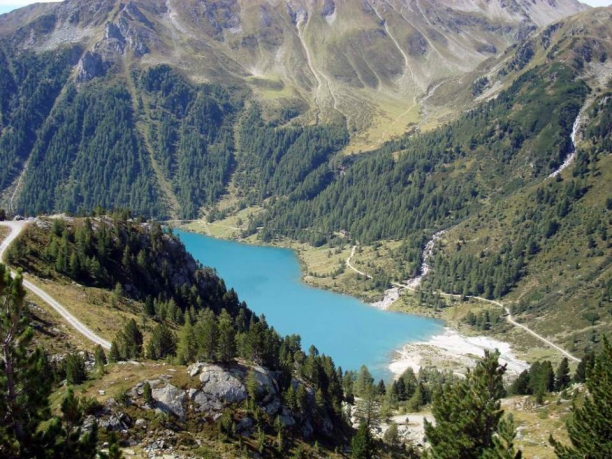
x=348 y=330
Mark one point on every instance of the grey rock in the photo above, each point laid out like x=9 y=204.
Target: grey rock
x=170 y=399
x=307 y=429
x=115 y=422
x=245 y=426
x=90 y=66
x=287 y=420
x=220 y=384
x=195 y=369
x=205 y=403
x=273 y=407
x=267 y=389
x=141 y=423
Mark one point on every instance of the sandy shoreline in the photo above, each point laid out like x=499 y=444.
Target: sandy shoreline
x=391 y=296
x=453 y=351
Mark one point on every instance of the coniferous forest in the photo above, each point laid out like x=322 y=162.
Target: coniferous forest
x=459 y=156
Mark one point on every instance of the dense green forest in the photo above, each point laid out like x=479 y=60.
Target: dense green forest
x=111 y=144
x=286 y=161
x=426 y=182
x=191 y=134
x=90 y=154
x=29 y=86
x=139 y=260
x=556 y=234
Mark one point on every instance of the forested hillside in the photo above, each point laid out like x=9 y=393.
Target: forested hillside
x=416 y=186
x=29 y=85
x=549 y=245
x=175 y=128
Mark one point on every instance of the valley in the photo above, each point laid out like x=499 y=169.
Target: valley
x=279 y=228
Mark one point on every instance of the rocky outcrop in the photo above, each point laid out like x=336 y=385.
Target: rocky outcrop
x=90 y=66
x=170 y=400
x=219 y=383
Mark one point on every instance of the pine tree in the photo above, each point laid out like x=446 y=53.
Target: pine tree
x=162 y=343
x=368 y=408
x=364 y=381
x=147 y=393
x=503 y=441
x=130 y=341
x=362 y=444
x=100 y=356
x=562 y=377
x=114 y=452
x=391 y=436
x=590 y=429
x=24 y=391
x=467 y=412
x=584 y=366
x=76 y=372
x=226 y=343
x=114 y=354
x=186 y=347
x=206 y=335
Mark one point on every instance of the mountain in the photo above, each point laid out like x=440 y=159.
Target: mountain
x=189 y=109
x=519 y=184
x=367 y=65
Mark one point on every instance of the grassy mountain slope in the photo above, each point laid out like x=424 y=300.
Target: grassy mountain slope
x=368 y=64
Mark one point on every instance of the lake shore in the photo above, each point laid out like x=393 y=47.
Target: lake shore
x=453 y=351
x=448 y=350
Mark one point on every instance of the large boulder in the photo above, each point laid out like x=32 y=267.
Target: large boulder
x=221 y=384
x=170 y=399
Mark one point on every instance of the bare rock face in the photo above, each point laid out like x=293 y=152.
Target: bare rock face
x=221 y=384
x=90 y=66
x=267 y=389
x=114 y=38
x=170 y=399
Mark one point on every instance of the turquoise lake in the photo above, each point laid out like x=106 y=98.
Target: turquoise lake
x=348 y=330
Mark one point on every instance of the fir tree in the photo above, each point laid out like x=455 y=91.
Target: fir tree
x=590 y=429
x=226 y=343
x=129 y=341
x=391 y=436
x=584 y=366
x=206 y=335
x=114 y=354
x=368 y=408
x=467 y=412
x=100 y=356
x=364 y=381
x=186 y=347
x=562 y=377
x=503 y=441
x=24 y=392
x=162 y=343
x=362 y=444
x=147 y=393
x=76 y=373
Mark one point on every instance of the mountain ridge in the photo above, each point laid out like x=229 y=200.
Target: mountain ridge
x=365 y=61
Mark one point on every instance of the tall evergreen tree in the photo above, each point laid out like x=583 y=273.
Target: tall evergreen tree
x=590 y=429
x=468 y=412
x=23 y=392
x=27 y=428
x=562 y=377
x=226 y=343
x=162 y=343
x=362 y=444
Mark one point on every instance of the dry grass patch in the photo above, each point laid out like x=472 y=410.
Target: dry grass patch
x=92 y=306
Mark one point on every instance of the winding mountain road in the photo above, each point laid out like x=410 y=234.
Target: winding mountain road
x=509 y=316
x=16 y=228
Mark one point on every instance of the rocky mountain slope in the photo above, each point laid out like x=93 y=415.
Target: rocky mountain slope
x=368 y=65
x=165 y=108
